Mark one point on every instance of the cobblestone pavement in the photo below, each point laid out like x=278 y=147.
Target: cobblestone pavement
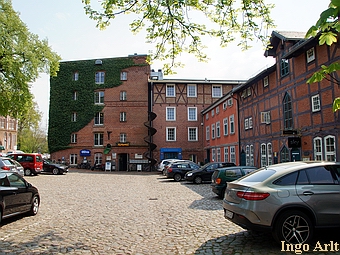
x=93 y=212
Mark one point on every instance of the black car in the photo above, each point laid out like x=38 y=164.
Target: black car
x=204 y=173
x=178 y=170
x=17 y=196
x=54 y=168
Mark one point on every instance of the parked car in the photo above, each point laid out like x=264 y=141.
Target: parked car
x=54 y=168
x=288 y=199
x=17 y=196
x=9 y=164
x=223 y=175
x=204 y=173
x=169 y=162
x=178 y=170
x=32 y=162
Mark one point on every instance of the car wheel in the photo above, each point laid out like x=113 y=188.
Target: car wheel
x=177 y=177
x=28 y=172
x=34 y=206
x=293 y=227
x=55 y=171
x=198 y=180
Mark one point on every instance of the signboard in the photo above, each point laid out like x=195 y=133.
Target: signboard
x=85 y=153
x=107 y=166
x=294 y=142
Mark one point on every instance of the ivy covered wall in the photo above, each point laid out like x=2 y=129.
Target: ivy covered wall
x=63 y=87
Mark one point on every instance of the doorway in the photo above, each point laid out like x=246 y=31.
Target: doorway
x=123 y=162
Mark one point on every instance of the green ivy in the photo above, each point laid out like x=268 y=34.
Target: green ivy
x=62 y=89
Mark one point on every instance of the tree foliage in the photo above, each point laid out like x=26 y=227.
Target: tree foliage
x=328 y=28
x=22 y=57
x=177 y=26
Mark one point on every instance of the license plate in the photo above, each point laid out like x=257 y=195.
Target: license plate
x=228 y=214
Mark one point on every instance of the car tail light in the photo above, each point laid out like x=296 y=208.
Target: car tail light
x=218 y=181
x=252 y=195
x=169 y=170
x=7 y=168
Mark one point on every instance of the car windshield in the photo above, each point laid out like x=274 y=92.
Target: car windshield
x=258 y=175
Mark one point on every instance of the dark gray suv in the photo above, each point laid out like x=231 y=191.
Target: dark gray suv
x=288 y=199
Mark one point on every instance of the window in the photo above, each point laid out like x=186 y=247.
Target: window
x=265 y=117
x=98 y=158
x=216 y=91
x=100 y=77
x=170 y=90
x=122 y=138
x=213 y=155
x=317 y=141
x=269 y=154
x=265 y=81
x=122 y=96
x=250 y=122
x=226 y=154
x=207 y=133
x=230 y=102
x=99 y=118
x=75 y=95
x=213 y=131
x=232 y=154
x=192 y=113
x=75 y=76
x=99 y=97
x=73 y=138
x=251 y=157
x=192 y=90
x=310 y=54
x=212 y=112
x=246 y=124
x=192 y=134
x=232 y=124
x=171 y=134
x=207 y=116
x=218 y=154
x=316 y=103
x=263 y=155
x=320 y=175
x=74 y=117
x=224 y=105
x=123 y=76
x=170 y=113
x=218 y=129
x=247 y=155
x=98 y=139
x=73 y=159
x=284 y=155
x=122 y=117
x=284 y=67
x=217 y=110
x=225 y=126
x=330 y=148
x=287 y=112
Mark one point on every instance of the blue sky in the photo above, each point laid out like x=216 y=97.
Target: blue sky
x=73 y=35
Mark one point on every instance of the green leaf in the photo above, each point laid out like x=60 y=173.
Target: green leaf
x=336 y=104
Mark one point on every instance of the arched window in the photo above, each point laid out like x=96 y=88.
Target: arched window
x=287 y=112
x=284 y=155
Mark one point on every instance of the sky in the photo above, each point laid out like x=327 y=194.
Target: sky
x=74 y=36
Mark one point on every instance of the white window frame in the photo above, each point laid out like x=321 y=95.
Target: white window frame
x=76 y=76
x=213 y=154
x=190 y=138
x=263 y=151
x=218 y=129
x=75 y=95
x=167 y=134
x=265 y=117
x=317 y=144
x=99 y=97
x=123 y=95
x=248 y=155
x=207 y=133
x=218 y=154
x=98 y=139
x=191 y=90
x=122 y=137
x=330 y=149
x=269 y=154
x=232 y=124
x=232 y=154
x=246 y=124
x=74 y=117
x=73 y=138
x=122 y=116
x=216 y=91
x=169 y=92
x=250 y=122
x=168 y=115
x=252 y=155
x=123 y=76
x=217 y=110
x=225 y=126
x=192 y=113
x=230 y=102
x=99 y=118
x=73 y=159
x=266 y=81
x=213 y=131
x=100 y=77
x=226 y=154
x=315 y=101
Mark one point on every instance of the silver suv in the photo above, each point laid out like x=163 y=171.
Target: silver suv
x=288 y=199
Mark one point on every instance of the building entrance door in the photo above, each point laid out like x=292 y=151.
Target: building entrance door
x=123 y=162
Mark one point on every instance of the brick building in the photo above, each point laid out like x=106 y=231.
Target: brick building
x=97 y=112
x=281 y=117
x=179 y=124
x=8 y=134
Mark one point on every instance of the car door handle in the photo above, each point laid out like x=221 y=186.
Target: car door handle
x=308 y=193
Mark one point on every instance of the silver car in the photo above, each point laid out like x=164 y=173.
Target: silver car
x=12 y=165
x=288 y=199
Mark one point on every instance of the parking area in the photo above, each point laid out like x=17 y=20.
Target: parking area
x=96 y=212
